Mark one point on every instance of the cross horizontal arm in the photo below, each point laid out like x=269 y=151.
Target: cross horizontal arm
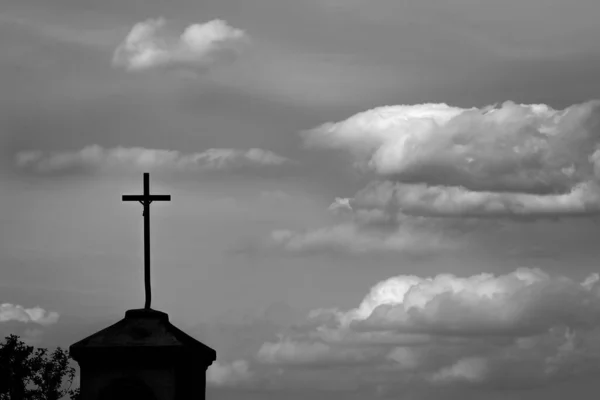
x=133 y=197
x=160 y=197
x=141 y=197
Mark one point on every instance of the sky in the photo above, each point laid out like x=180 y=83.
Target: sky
x=369 y=199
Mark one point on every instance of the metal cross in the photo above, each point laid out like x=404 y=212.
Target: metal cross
x=145 y=199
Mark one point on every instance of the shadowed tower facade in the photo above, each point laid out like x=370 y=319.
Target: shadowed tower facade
x=143 y=356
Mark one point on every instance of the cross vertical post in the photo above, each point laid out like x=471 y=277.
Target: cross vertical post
x=146 y=214
x=145 y=199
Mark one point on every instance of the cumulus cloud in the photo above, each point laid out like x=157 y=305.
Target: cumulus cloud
x=228 y=374
x=525 y=302
x=452 y=201
x=441 y=173
x=139 y=158
x=150 y=44
x=515 y=159
x=37 y=315
x=512 y=147
x=520 y=329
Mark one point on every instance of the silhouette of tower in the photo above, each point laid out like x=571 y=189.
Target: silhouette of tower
x=143 y=356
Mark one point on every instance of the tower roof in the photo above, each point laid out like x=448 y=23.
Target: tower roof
x=143 y=334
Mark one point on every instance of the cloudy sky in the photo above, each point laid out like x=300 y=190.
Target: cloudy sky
x=370 y=199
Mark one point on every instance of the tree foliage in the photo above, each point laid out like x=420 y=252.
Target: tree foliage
x=27 y=373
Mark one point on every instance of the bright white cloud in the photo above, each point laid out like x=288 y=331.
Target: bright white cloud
x=440 y=170
x=515 y=147
x=524 y=302
x=228 y=374
x=527 y=301
x=14 y=312
x=518 y=329
x=149 y=44
x=511 y=160
x=139 y=158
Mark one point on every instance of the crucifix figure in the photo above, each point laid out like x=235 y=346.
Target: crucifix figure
x=145 y=199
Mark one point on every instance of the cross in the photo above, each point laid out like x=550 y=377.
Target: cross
x=145 y=199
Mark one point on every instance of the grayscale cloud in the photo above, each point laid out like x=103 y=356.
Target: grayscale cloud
x=150 y=44
x=519 y=329
x=234 y=373
x=512 y=160
x=139 y=158
x=37 y=315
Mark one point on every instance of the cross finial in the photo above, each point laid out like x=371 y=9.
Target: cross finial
x=145 y=199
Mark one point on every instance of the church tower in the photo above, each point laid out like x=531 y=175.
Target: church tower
x=143 y=356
